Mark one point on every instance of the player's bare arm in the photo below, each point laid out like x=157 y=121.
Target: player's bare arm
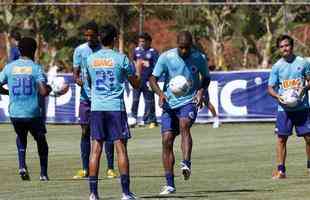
x=76 y=76
x=44 y=89
x=205 y=81
x=155 y=87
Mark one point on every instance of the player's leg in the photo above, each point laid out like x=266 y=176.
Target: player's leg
x=135 y=105
x=21 y=130
x=149 y=116
x=109 y=150
x=284 y=128
x=169 y=131
x=84 y=115
x=98 y=135
x=187 y=115
x=216 y=121
x=307 y=141
x=118 y=132
x=94 y=164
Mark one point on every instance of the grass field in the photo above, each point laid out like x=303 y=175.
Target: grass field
x=233 y=162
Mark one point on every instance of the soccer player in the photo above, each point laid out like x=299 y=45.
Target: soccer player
x=80 y=56
x=108 y=71
x=179 y=112
x=147 y=56
x=14 y=51
x=27 y=83
x=290 y=72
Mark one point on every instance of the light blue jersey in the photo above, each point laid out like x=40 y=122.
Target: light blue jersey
x=80 y=56
x=170 y=64
x=108 y=71
x=22 y=77
x=285 y=75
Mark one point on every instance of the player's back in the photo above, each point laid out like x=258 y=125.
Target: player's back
x=22 y=77
x=108 y=70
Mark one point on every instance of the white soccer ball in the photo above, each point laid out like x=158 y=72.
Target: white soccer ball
x=290 y=97
x=179 y=85
x=59 y=86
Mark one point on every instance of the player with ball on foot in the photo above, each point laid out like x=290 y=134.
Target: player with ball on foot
x=289 y=84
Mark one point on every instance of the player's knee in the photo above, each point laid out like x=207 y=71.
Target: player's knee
x=282 y=140
x=167 y=143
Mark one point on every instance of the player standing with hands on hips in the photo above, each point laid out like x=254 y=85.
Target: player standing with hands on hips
x=179 y=109
x=291 y=72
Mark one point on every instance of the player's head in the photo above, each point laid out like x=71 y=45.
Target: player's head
x=27 y=47
x=108 y=35
x=286 y=45
x=15 y=35
x=184 y=42
x=91 y=33
x=144 y=40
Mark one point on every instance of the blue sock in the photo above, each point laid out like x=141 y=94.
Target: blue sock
x=281 y=168
x=85 y=151
x=188 y=163
x=21 y=150
x=109 y=150
x=170 y=179
x=308 y=164
x=93 y=184
x=125 y=182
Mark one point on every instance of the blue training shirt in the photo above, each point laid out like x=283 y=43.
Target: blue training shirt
x=80 y=56
x=170 y=64
x=285 y=75
x=22 y=77
x=108 y=71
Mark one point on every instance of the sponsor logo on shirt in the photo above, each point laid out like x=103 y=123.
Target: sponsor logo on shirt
x=22 y=70
x=291 y=83
x=102 y=63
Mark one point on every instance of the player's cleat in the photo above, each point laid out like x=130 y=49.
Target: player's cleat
x=130 y=196
x=81 y=174
x=132 y=122
x=24 y=174
x=216 y=123
x=278 y=175
x=44 y=178
x=92 y=196
x=111 y=173
x=152 y=125
x=167 y=190
x=186 y=171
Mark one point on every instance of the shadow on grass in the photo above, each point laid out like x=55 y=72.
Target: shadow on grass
x=199 y=194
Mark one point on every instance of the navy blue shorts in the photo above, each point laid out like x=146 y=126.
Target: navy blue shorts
x=170 y=117
x=84 y=112
x=287 y=120
x=109 y=125
x=36 y=126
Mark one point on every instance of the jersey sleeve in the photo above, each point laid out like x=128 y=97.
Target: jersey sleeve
x=273 y=77
x=203 y=67
x=128 y=67
x=160 y=66
x=3 y=76
x=40 y=76
x=77 y=59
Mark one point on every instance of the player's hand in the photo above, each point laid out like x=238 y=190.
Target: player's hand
x=162 y=99
x=280 y=99
x=79 y=82
x=199 y=99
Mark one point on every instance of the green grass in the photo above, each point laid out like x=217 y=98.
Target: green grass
x=233 y=162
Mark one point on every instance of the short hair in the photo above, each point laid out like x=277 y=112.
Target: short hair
x=107 y=34
x=27 y=47
x=15 y=34
x=186 y=35
x=92 y=25
x=145 y=36
x=285 y=37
